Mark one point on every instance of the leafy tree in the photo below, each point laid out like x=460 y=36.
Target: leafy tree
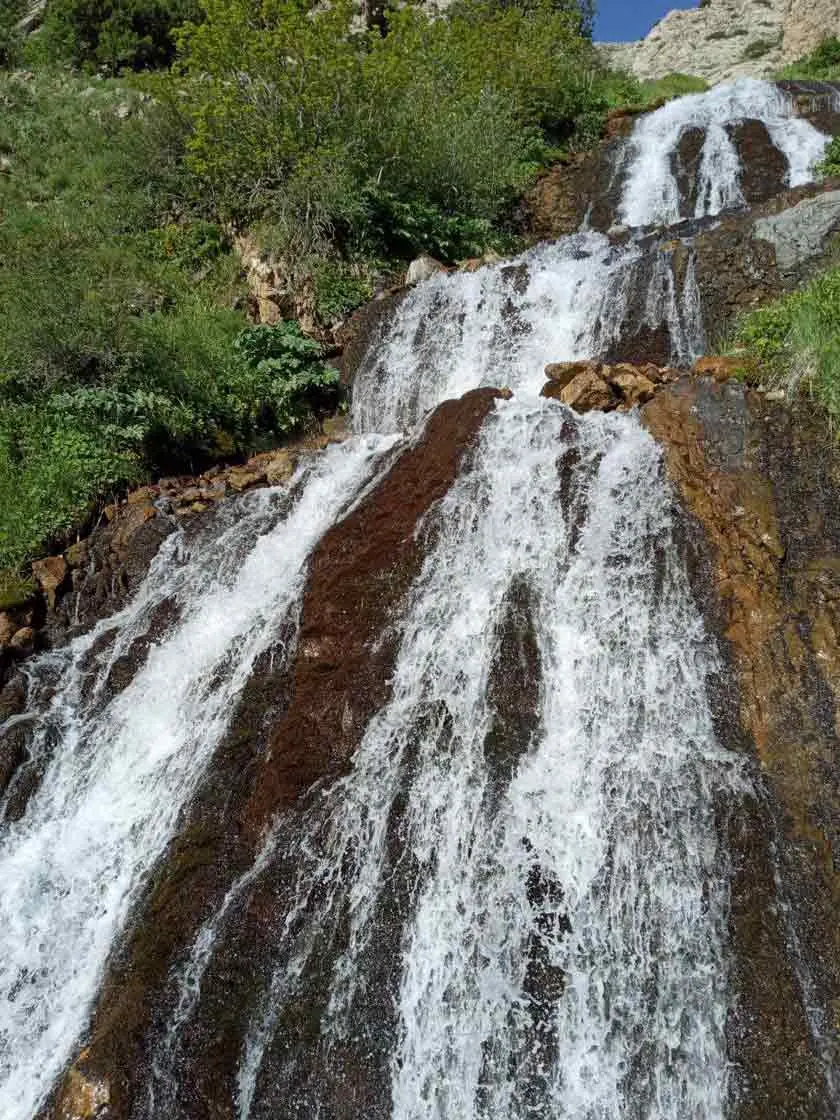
x=114 y=34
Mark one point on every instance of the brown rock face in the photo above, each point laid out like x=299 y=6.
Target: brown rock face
x=50 y=574
x=763 y=484
x=357 y=574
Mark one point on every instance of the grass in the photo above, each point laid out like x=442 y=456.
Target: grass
x=795 y=342
x=823 y=64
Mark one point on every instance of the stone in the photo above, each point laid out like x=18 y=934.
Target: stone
x=586 y=392
x=50 y=574
x=78 y=554
x=561 y=373
x=634 y=387
x=336 y=428
x=7 y=629
x=23 y=641
x=243 y=478
x=143 y=494
x=718 y=367
x=423 y=268
x=82 y=1097
x=799 y=234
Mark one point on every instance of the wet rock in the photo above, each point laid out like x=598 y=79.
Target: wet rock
x=82 y=1097
x=243 y=478
x=764 y=167
x=363 y=330
x=584 y=393
x=423 y=268
x=297 y=724
x=763 y=483
x=22 y=642
x=78 y=554
x=50 y=574
x=336 y=428
x=561 y=373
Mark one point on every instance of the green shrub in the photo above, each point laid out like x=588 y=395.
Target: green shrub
x=376 y=141
x=797 y=340
x=338 y=290
x=285 y=374
x=823 y=64
x=830 y=164
x=11 y=12
x=115 y=35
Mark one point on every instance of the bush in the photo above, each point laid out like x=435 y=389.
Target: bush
x=823 y=64
x=797 y=340
x=376 y=141
x=830 y=164
x=116 y=35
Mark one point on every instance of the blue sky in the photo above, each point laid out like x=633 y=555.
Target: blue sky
x=618 y=20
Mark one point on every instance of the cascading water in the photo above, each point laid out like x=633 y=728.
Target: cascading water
x=484 y=928
x=121 y=772
x=590 y=860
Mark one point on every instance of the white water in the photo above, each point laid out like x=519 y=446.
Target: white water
x=610 y=807
x=651 y=194
x=612 y=803
x=112 y=794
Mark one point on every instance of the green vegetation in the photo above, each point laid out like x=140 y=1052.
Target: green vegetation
x=796 y=341
x=823 y=64
x=141 y=137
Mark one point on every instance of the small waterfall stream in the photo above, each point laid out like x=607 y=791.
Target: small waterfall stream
x=486 y=927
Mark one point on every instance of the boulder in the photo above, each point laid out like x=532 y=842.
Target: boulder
x=23 y=641
x=50 y=574
x=633 y=386
x=563 y=372
x=718 y=367
x=584 y=393
x=423 y=268
x=243 y=478
x=7 y=629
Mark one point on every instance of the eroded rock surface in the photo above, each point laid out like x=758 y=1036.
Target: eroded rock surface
x=763 y=483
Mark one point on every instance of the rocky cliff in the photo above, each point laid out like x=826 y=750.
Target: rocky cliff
x=724 y=39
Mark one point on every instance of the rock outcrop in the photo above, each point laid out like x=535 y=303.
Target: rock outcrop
x=728 y=38
x=761 y=482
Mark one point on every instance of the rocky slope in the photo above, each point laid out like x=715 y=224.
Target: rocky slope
x=724 y=39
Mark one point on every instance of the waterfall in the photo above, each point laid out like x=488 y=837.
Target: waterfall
x=651 y=193
x=589 y=860
x=121 y=771
x=486 y=923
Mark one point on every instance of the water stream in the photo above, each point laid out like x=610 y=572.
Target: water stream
x=553 y=914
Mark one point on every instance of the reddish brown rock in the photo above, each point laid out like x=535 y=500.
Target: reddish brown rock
x=50 y=574
x=763 y=483
x=718 y=367
x=635 y=388
x=357 y=574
